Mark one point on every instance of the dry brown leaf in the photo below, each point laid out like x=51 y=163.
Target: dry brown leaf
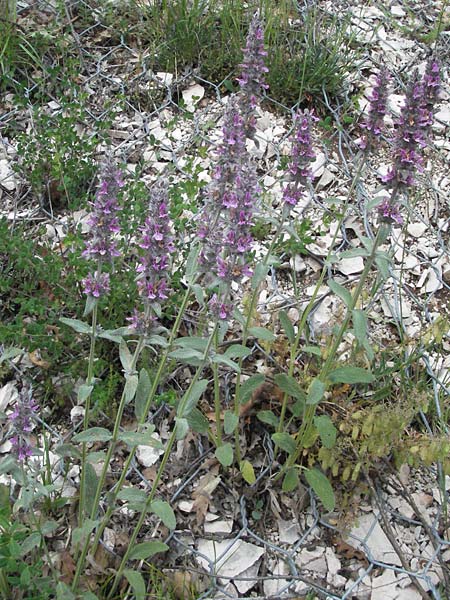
x=344 y=550
x=183 y=583
x=266 y=394
x=68 y=567
x=202 y=495
x=37 y=359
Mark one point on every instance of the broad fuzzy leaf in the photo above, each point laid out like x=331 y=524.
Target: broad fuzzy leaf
x=350 y=375
x=147 y=549
x=322 y=487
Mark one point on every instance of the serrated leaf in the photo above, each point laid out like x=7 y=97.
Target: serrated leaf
x=298 y=408
x=84 y=391
x=199 y=294
x=126 y=358
x=290 y=481
x=131 y=384
x=90 y=487
x=63 y=592
x=138 y=438
x=268 y=417
x=142 y=393
x=164 y=511
x=224 y=454
x=261 y=333
x=315 y=392
x=132 y=494
x=80 y=534
x=287 y=326
x=230 y=422
x=350 y=375
x=313 y=350
x=248 y=472
x=137 y=583
x=249 y=386
x=322 y=487
x=222 y=359
x=289 y=385
x=197 y=421
x=30 y=542
x=327 y=430
x=284 y=441
x=191 y=271
x=359 y=319
x=340 y=291
x=383 y=266
x=182 y=427
x=147 y=549
x=259 y=274
x=94 y=434
x=239 y=317
x=237 y=351
x=76 y=325
x=191 y=397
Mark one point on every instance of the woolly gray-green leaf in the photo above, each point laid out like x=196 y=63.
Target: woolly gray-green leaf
x=76 y=325
x=137 y=583
x=287 y=326
x=322 y=487
x=224 y=454
x=350 y=375
x=145 y=550
x=164 y=511
x=94 y=434
x=142 y=393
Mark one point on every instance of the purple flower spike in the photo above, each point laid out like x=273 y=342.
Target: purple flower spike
x=141 y=323
x=431 y=82
x=226 y=221
x=103 y=219
x=154 y=264
x=104 y=223
x=299 y=167
x=389 y=212
x=377 y=110
x=96 y=284
x=253 y=71
x=412 y=131
x=219 y=309
x=21 y=420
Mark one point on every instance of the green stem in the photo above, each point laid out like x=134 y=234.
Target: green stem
x=162 y=466
x=217 y=407
x=127 y=464
x=90 y=377
x=248 y=322
x=310 y=412
x=310 y=305
x=116 y=431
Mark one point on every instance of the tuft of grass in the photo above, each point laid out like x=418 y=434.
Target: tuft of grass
x=309 y=51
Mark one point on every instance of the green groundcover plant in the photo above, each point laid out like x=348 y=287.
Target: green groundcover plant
x=220 y=269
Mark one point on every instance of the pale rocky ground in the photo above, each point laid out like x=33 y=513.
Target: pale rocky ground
x=301 y=549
